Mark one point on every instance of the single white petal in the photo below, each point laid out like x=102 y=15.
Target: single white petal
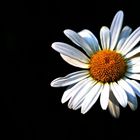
x=119 y=93
x=119 y=45
x=75 y=62
x=116 y=28
x=132 y=101
x=125 y=32
x=72 y=91
x=83 y=90
x=133 y=52
x=133 y=61
x=105 y=37
x=104 y=98
x=70 y=51
x=91 y=98
x=70 y=79
x=135 y=85
x=131 y=41
x=90 y=39
x=78 y=40
x=134 y=69
x=133 y=76
x=113 y=106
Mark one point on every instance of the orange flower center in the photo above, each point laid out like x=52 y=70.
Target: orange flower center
x=107 y=66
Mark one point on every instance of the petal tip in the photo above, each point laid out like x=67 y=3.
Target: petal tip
x=53 y=45
x=55 y=84
x=120 y=12
x=83 y=112
x=52 y=84
x=66 y=31
x=63 y=100
x=104 y=108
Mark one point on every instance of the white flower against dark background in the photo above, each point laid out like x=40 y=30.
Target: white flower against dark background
x=111 y=68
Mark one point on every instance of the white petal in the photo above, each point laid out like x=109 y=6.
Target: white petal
x=70 y=79
x=116 y=28
x=126 y=86
x=82 y=94
x=134 y=69
x=125 y=32
x=135 y=85
x=104 y=98
x=113 y=106
x=119 y=93
x=105 y=37
x=83 y=90
x=90 y=39
x=70 y=51
x=120 y=43
x=70 y=92
x=132 y=102
x=133 y=76
x=133 y=52
x=78 y=40
x=78 y=105
x=131 y=41
x=133 y=61
x=123 y=36
x=132 y=99
x=91 y=98
x=75 y=62
x=76 y=89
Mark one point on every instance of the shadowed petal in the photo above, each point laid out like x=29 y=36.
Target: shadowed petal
x=126 y=86
x=75 y=62
x=120 y=43
x=135 y=85
x=78 y=40
x=123 y=36
x=132 y=101
x=113 y=106
x=90 y=39
x=125 y=32
x=131 y=41
x=70 y=51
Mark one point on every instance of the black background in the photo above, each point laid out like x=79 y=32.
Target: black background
x=29 y=107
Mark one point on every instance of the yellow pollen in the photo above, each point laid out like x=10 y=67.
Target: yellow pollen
x=107 y=66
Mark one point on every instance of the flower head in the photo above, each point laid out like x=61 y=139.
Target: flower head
x=111 y=68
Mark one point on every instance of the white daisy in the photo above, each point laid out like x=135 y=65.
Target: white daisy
x=111 y=68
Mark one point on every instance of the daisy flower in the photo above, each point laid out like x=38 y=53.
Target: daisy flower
x=111 y=68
